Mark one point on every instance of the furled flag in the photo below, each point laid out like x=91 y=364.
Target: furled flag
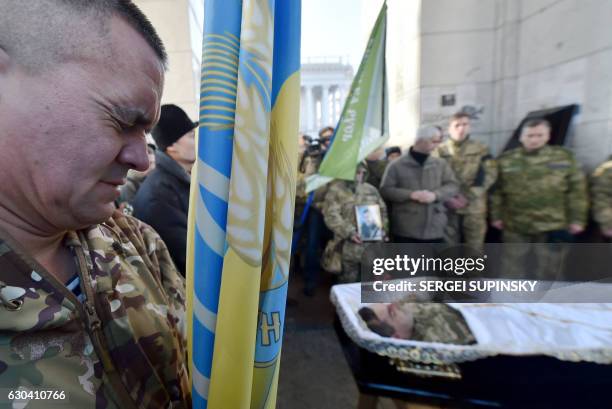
x=363 y=125
x=243 y=192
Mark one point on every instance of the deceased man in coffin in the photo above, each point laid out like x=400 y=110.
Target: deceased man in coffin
x=419 y=322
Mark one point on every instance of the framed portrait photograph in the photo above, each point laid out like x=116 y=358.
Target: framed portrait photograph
x=369 y=222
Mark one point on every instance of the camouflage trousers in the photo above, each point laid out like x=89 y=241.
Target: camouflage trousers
x=466 y=228
x=351 y=262
x=523 y=258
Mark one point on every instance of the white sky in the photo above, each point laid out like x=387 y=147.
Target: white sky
x=332 y=28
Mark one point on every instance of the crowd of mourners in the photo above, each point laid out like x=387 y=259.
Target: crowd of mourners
x=446 y=188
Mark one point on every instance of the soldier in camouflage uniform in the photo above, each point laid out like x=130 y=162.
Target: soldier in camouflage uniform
x=475 y=171
x=540 y=197
x=419 y=322
x=91 y=305
x=339 y=213
x=123 y=346
x=601 y=197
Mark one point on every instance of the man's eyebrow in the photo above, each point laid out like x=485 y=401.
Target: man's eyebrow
x=132 y=116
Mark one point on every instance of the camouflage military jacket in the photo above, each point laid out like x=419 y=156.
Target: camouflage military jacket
x=474 y=169
x=601 y=194
x=539 y=191
x=440 y=323
x=340 y=201
x=123 y=347
x=339 y=211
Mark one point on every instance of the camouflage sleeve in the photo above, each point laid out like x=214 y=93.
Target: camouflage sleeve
x=332 y=214
x=172 y=282
x=449 y=186
x=577 y=197
x=495 y=209
x=601 y=194
x=490 y=170
x=389 y=186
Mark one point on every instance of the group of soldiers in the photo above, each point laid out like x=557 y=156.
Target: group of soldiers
x=447 y=190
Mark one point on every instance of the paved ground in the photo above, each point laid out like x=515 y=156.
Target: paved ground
x=313 y=374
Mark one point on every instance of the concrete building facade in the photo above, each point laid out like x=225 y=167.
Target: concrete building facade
x=180 y=24
x=500 y=59
x=325 y=84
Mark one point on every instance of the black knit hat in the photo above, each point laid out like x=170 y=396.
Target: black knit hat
x=392 y=149
x=173 y=124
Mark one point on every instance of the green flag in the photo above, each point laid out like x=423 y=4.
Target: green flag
x=363 y=124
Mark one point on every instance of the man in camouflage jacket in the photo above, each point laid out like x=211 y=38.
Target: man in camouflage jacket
x=340 y=217
x=425 y=322
x=540 y=197
x=601 y=197
x=91 y=306
x=127 y=338
x=475 y=171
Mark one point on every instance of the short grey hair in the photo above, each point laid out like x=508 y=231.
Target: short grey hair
x=427 y=132
x=41 y=33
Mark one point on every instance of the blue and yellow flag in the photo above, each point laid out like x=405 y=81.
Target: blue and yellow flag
x=242 y=201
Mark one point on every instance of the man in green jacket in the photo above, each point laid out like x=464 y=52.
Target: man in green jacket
x=601 y=197
x=342 y=201
x=474 y=169
x=540 y=196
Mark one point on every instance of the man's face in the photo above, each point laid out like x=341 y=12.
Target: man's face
x=70 y=134
x=151 y=156
x=183 y=150
x=368 y=217
x=535 y=137
x=459 y=129
x=326 y=138
x=393 y=156
x=360 y=174
x=428 y=145
x=398 y=316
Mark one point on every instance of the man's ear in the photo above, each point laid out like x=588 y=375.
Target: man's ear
x=171 y=149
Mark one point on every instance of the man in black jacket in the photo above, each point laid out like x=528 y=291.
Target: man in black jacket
x=163 y=199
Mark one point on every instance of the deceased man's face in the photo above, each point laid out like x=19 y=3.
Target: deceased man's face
x=391 y=320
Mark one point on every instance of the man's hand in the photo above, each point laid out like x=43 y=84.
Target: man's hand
x=457 y=202
x=607 y=232
x=498 y=224
x=417 y=196
x=428 y=197
x=423 y=196
x=355 y=238
x=575 y=228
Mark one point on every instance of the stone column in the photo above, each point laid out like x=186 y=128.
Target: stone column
x=337 y=107
x=324 y=105
x=310 y=115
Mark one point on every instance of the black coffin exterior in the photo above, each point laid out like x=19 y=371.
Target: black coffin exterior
x=497 y=382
